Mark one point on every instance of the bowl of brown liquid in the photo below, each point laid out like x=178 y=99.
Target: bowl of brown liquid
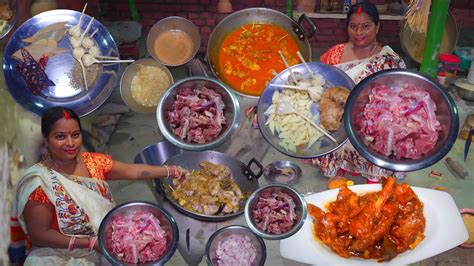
x=173 y=41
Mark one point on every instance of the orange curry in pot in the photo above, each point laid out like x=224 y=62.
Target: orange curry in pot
x=250 y=53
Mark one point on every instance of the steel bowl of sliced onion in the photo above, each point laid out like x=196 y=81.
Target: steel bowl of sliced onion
x=275 y=211
x=235 y=245
x=401 y=120
x=138 y=232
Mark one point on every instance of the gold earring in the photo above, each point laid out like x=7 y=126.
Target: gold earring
x=46 y=154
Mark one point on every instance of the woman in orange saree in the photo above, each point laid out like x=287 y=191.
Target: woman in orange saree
x=61 y=201
x=359 y=58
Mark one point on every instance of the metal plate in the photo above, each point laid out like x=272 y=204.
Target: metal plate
x=284 y=172
x=59 y=67
x=334 y=77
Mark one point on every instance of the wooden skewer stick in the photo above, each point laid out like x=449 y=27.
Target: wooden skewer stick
x=287 y=66
x=107 y=57
x=114 y=61
x=322 y=130
x=87 y=29
x=276 y=74
x=82 y=16
x=288 y=87
x=84 y=75
x=88 y=60
x=304 y=63
x=94 y=32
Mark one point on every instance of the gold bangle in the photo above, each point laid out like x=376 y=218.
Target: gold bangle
x=72 y=241
x=180 y=171
x=167 y=171
x=175 y=171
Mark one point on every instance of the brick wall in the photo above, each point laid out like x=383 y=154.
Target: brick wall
x=204 y=14
x=463 y=12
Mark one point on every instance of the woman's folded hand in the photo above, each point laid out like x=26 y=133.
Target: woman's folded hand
x=178 y=172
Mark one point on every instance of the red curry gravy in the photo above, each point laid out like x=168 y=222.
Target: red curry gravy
x=250 y=53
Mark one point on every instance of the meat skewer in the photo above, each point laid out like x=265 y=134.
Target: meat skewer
x=75 y=31
x=94 y=32
x=88 y=42
x=86 y=31
x=94 y=51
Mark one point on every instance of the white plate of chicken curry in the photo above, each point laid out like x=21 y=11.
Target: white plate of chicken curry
x=443 y=228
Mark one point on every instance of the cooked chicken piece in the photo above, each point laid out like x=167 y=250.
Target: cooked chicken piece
x=377 y=225
x=332 y=107
x=5 y=11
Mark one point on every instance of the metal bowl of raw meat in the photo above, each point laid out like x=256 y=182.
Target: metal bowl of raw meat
x=130 y=233
x=397 y=129
x=194 y=123
x=233 y=244
x=281 y=199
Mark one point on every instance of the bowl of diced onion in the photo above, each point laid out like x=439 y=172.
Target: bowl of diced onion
x=143 y=83
x=138 y=232
x=235 y=245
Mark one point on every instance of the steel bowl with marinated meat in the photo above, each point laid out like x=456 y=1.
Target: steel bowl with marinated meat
x=275 y=211
x=209 y=191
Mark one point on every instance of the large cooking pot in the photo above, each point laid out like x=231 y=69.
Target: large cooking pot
x=257 y=15
x=245 y=178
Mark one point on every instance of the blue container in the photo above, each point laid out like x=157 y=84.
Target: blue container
x=467 y=56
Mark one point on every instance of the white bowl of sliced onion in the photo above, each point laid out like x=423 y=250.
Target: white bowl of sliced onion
x=235 y=245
